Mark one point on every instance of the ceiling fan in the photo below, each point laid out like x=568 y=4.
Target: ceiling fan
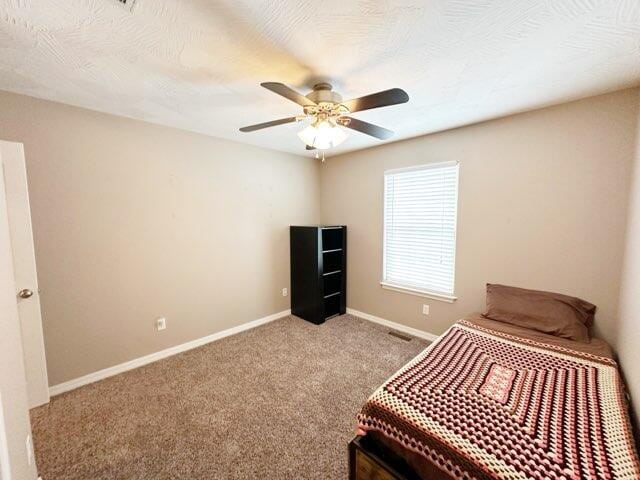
x=327 y=112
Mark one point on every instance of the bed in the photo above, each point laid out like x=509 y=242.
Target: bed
x=490 y=399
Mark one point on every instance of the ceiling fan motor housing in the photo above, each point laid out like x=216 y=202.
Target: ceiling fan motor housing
x=322 y=93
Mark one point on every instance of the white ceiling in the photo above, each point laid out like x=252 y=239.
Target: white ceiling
x=197 y=64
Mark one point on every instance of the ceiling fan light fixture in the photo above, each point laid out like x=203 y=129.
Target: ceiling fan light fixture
x=322 y=135
x=329 y=114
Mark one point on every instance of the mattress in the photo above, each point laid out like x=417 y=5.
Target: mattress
x=489 y=400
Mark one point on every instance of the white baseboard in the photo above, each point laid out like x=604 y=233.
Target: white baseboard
x=396 y=326
x=153 y=357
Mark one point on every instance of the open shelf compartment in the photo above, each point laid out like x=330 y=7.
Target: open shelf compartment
x=332 y=306
x=332 y=261
x=332 y=284
x=332 y=238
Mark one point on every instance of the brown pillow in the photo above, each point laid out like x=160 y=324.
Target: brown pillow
x=552 y=313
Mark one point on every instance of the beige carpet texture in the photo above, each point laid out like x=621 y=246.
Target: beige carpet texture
x=275 y=402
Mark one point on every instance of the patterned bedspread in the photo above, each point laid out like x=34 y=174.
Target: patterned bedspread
x=483 y=404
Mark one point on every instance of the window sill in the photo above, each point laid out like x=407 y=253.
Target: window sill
x=420 y=293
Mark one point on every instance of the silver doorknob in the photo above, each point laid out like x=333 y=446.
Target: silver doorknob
x=26 y=293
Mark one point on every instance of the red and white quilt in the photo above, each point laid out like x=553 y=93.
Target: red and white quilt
x=483 y=404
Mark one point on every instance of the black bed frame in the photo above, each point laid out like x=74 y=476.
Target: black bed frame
x=385 y=463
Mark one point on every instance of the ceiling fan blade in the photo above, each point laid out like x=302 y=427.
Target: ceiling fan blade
x=310 y=148
x=385 y=98
x=286 y=92
x=273 y=123
x=369 y=128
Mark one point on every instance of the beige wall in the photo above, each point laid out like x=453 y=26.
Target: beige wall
x=627 y=332
x=13 y=388
x=542 y=204
x=133 y=221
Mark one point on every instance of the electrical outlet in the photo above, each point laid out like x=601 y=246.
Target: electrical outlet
x=425 y=309
x=29 y=446
x=285 y=292
x=161 y=323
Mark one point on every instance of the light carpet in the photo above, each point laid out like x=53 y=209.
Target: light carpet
x=275 y=402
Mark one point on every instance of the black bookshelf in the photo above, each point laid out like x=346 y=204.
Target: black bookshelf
x=318 y=271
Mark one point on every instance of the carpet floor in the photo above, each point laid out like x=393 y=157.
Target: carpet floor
x=275 y=402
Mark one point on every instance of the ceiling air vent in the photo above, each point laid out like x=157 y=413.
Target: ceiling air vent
x=126 y=4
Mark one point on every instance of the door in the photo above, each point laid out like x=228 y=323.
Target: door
x=24 y=266
x=16 y=454
x=4 y=447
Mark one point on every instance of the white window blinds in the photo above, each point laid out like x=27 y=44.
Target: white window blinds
x=420 y=210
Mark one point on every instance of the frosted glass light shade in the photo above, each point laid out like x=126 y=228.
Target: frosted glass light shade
x=322 y=135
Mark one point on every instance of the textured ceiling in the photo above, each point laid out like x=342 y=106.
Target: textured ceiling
x=197 y=64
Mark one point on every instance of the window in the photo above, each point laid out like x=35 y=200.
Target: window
x=420 y=210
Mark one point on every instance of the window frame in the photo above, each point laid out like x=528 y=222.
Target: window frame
x=408 y=289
